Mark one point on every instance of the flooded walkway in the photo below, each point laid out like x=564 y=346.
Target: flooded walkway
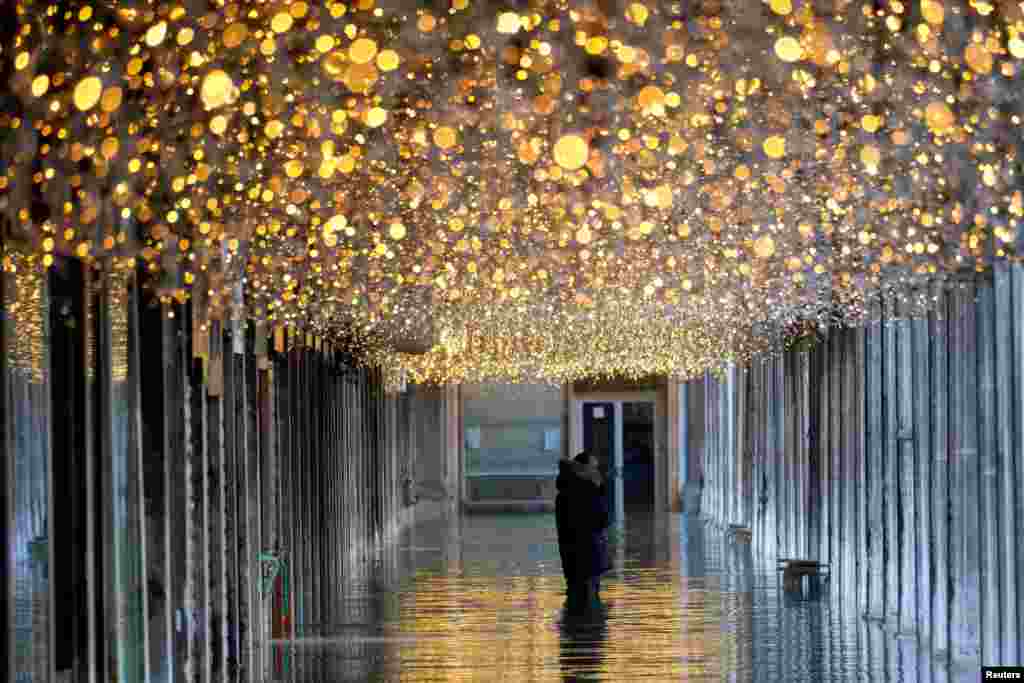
x=480 y=598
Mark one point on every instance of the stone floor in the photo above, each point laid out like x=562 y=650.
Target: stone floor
x=480 y=598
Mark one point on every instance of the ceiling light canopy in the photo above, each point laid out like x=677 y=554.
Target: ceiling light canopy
x=544 y=190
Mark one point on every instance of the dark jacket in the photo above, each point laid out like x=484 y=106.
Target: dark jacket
x=581 y=519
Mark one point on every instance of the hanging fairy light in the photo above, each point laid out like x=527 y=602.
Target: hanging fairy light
x=562 y=191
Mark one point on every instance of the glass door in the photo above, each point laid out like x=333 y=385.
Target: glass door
x=638 y=454
x=621 y=434
x=602 y=437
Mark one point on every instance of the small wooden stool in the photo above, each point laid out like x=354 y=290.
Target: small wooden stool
x=741 y=533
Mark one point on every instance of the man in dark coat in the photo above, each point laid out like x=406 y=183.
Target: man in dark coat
x=581 y=518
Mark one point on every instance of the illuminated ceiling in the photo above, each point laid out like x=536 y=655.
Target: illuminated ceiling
x=539 y=189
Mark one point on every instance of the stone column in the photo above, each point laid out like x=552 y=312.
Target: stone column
x=1017 y=415
x=874 y=457
x=992 y=602
x=821 y=502
x=778 y=456
x=890 y=466
x=938 y=333
x=1007 y=451
x=903 y=494
x=694 y=446
x=28 y=553
x=672 y=444
x=965 y=548
x=452 y=470
x=568 y=433
x=923 y=444
x=618 y=513
x=853 y=452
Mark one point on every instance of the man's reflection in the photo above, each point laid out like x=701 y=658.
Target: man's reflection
x=582 y=640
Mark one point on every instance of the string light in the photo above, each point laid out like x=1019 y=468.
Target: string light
x=26 y=302
x=558 y=192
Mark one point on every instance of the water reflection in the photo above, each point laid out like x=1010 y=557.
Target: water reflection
x=581 y=644
x=482 y=599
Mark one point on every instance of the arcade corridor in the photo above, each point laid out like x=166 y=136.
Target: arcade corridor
x=305 y=303
x=233 y=504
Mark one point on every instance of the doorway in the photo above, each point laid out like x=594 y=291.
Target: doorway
x=621 y=434
x=638 y=454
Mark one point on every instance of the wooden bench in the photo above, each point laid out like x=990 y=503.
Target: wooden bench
x=793 y=570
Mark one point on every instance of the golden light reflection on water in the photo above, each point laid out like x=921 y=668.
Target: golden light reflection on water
x=481 y=599
x=654 y=625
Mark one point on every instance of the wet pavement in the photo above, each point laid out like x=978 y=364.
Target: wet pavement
x=481 y=598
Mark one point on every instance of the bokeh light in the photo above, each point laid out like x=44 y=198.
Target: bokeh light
x=565 y=190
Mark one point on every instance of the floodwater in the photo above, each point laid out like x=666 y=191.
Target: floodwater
x=481 y=598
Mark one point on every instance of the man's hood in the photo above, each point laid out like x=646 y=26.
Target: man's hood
x=569 y=471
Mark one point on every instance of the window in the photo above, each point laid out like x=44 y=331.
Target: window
x=552 y=439
x=473 y=438
x=512 y=429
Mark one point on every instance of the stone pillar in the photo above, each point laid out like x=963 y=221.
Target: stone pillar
x=1017 y=415
x=801 y=453
x=730 y=450
x=93 y=663
x=760 y=469
x=710 y=494
x=452 y=470
x=790 y=490
x=618 y=512
x=28 y=553
x=890 y=467
x=1007 y=451
x=661 y=432
x=853 y=453
x=750 y=413
x=694 y=446
x=903 y=493
x=821 y=483
x=217 y=511
x=250 y=616
x=965 y=548
x=874 y=456
x=923 y=444
x=269 y=486
x=571 y=437
x=938 y=333
x=178 y=450
x=124 y=546
x=280 y=378
x=673 y=391
x=992 y=602
x=858 y=511
x=834 y=446
x=776 y=457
